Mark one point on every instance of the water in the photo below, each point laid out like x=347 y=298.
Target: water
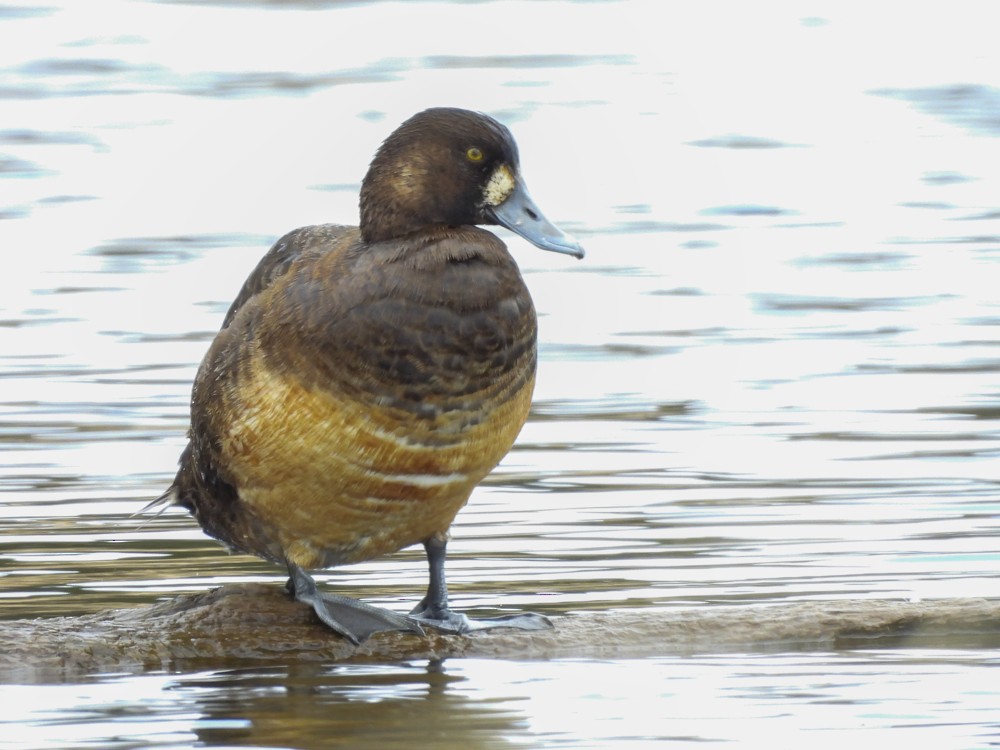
x=821 y=699
x=773 y=379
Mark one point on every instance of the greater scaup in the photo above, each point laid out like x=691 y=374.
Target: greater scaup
x=367 y=378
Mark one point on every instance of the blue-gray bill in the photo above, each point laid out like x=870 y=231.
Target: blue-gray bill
x=519 y=214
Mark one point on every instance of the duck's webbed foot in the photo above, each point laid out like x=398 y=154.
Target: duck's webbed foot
x=350 y=618
x=450 y=621
x=433 y=609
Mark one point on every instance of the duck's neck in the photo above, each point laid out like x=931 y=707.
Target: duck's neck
x=384 y=219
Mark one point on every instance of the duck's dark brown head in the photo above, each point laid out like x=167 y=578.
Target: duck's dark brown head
x=452 y=167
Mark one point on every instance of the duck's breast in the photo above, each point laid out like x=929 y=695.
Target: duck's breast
x=359 y=399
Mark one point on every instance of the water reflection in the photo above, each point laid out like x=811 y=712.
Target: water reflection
x=830 y=698
x=401 y=706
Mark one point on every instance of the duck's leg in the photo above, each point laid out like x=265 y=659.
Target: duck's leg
x=433 y=609
x=352 y=619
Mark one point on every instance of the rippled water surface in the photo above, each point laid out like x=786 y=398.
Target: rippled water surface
x=774 y=377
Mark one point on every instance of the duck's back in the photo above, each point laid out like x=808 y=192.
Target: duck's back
x=358 y=392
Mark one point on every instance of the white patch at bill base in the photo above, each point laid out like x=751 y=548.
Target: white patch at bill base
x=499 y=187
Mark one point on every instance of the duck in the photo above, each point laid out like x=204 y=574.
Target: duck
x=367 y=378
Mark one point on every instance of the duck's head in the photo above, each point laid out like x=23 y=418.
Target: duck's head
x=452 y=167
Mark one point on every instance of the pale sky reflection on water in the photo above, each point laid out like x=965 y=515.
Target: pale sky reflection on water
x=773 y=379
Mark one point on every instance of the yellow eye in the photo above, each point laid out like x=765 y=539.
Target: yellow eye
x=474 y=154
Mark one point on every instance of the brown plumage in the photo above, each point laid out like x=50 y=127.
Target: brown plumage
x=367 y=378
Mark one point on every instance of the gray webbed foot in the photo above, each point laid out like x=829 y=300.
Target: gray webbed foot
x=442 y=619
x=350 y=618
x=433 y=609
x=459 y=624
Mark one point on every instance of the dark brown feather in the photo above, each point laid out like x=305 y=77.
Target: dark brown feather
x=366 y=379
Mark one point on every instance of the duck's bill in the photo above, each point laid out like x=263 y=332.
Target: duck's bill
x=519 y=214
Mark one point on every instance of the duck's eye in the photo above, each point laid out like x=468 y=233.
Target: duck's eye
x=474 y=154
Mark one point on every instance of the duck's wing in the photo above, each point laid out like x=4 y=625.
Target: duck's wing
x=280 y=258
x=276 y=263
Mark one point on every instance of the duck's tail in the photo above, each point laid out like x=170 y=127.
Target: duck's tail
x=160 y=504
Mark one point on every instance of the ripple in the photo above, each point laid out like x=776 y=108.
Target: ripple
x=928 y=205
x=135 y=254
x=741 y=142
x=600 y=409
x=980 y=239
x=13 y=212
x=11 y=166
x=969 y=366
x=83 y=66
x=257 y=83
x=58 y=199
x=15 y=11
x=881 y=260
x=805 y=304
x=48 y=137
x=746 y=210
x=58 y=77
x=523 y=61
x=946 y=178
x=651 y=225
x=983 y=216
x=971 y=106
